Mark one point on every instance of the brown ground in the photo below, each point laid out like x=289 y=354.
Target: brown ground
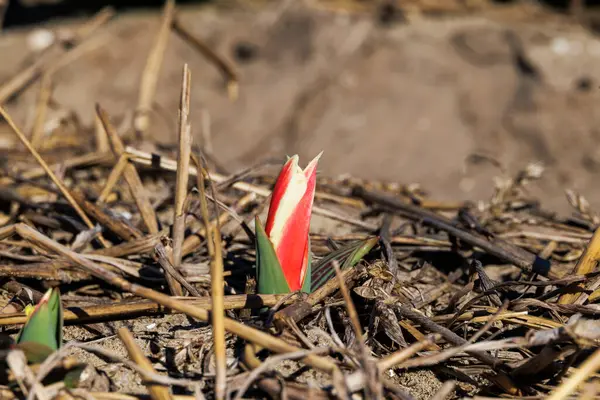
x=407 y=103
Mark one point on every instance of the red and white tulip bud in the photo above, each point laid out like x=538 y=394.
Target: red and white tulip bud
x=287 y=230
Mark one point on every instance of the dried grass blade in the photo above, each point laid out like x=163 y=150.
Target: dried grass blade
x=50 y=174
x=157 y=392
x=131 y=175
x=226 y=69
x=245 y=332
x=589 y=367
x=183 y=163
x=586 y=264
x=215 y=250
x=152 y=70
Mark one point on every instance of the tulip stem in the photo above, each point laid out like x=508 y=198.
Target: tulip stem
x=151 y=72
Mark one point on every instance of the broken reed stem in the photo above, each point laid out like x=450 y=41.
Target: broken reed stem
x=102 y=145
x=37 y=133
x=218 y=308
x=525 y=260
x=152 y=70
x=117 y=226
x=138 y=192
x=589 y=367
x=226 y=69
x=51 y=175
x=183 y=164
x=398 y=357
x=129 y=309
x=174 y=278
x=218 y=315
x=213 y=235
x=586 y=264
x=113 y=177
x=446 y=333
x=373 y=388
x=122 y=396
x=191 y=243
x=245 y=332
x=140 y=157
x=157 y=392
x=90 y=26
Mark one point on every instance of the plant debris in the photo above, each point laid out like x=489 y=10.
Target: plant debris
x=411 y=297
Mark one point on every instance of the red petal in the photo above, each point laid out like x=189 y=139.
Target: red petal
x=292 y=251
x=311 y=168
x=283 y=180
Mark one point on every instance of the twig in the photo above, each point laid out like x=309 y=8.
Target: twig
x=521 y=258
x=183 y=162
x=53 y=177
x=586 y=264
x=157 y=392
x=445 y=391
x=100 y=135
x=164 y=259
x=226 y=69
x=589 y=367
x=373 y=385
x=270 y=363
x=213 y=234
x=131 y=309
x=130 y=173
x=246 y=332
x=115 y=225
x=402 y=355
x=114 y=176
x=152 y=70
x=446 y=333
x=193 y=241
x=140 y=157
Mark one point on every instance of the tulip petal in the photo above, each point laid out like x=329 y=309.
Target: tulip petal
x=311 y=168
x=281 y=185
x=291 y=243
x=43 y=328
x=270 y=277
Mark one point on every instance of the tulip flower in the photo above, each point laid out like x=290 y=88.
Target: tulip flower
x=283 y=247
x=42 y=332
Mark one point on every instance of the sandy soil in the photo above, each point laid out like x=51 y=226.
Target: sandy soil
x=410 y=102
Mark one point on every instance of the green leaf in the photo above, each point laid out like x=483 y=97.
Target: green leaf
x=73 y=377
x=43 y=329
x=360 y=252
x=348 y=256
x=307 y=284
x=35 y=352
x=270 y=277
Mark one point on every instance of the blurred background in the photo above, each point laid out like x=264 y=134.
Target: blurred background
x=454 y=95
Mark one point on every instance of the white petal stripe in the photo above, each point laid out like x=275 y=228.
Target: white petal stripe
x=288 y=203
